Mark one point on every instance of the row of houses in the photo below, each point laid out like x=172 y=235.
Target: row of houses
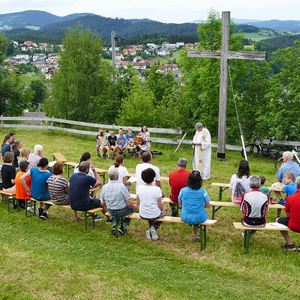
x=28 y=46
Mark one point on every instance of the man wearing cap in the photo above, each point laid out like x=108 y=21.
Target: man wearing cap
x=202 y=151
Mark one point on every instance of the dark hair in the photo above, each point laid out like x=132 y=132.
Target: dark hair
x=12 y=134
x=43 y=162
x=101 y=133
x=8 y=157
x=244 y=169
x=148 y=175
x=23 y=165
x=194 y=181
x=146 y=156
x=15 y=145
x=119 y=160
x=262 y=180
x=85 y=156
x=6 y=138
x=143 y=127
x=58 y=168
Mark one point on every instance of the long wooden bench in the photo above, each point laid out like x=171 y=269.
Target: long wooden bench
x=7 y=197
x=59 y=157
x=222 y=187
x=216 y=205
x=86 y=213
x=169 y=219
x=247 y=231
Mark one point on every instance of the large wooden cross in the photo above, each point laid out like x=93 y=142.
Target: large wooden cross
x=225 y=55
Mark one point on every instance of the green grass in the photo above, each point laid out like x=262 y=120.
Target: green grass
x=57 y=259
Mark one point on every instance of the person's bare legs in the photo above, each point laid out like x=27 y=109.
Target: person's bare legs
x=287 y=238
x=76 y=217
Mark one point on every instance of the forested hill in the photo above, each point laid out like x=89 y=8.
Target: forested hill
x=277 y=42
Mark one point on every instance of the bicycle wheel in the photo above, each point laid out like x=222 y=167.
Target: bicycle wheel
x=252 y=150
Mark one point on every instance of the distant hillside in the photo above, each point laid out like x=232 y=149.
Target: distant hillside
x=125 y=28
x=273 y=44
x=278 y=25
x=32 y=18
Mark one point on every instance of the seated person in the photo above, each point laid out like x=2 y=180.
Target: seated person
x=264 y=189
x=115 y=198
x=193 y=200
x=121 y=143
x=122 y=171
x=239 y=183
x=21 y=193
x=16 y=146
x=288 y=166
x=177 y=181
x=8 y=173
x=39 y=188
x=102 y=144
x=24 y=155
x=149 y=200
x=79 y=189
x=254 y=204
x=130 y=138
x=289 y=187
x=36 y=156
x=58 y=185
x=112 y=140
x=292 y=219
x=86 y=156
x=145 y=145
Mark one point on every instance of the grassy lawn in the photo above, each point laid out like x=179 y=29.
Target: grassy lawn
x=57 y=259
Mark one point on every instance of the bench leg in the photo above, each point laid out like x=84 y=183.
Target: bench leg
x=93 y=215
x=202 y=237
x=246 y=241
x=85 y=219
x=220 y=193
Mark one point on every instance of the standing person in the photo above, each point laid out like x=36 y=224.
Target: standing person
x=6 y=145
x=79 y=190
x=115 y=198
x=21 y=194
x=149 y=200
x=177 y=181
x=146 y=158
x=239 y=183
x=16 y=146
x=8 y=173
x=36 y=156
x=193 y=200
x=13 y=137
x=39 y=188
x=202 y=151
x=58 y=185
x=254 y=204
x=288 y=166
x=292 y=219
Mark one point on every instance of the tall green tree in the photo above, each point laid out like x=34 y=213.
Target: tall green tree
x=83 y=86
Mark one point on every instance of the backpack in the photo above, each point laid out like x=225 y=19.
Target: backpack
x=238 y=193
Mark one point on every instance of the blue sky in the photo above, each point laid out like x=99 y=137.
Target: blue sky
x=176 y=11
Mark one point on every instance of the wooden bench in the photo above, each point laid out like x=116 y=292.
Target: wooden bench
x=59 y=157
x=86 y=213
x=8 y=198
x=247 y=231
x=222 y=187
x=216 y=205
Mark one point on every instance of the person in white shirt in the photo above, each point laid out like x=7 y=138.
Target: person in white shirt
x=146 y=158
x=149 y=200
x=35 y=157
x=122 y=171
x=86 y=156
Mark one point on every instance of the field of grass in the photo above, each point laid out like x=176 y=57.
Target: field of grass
x=57 y=259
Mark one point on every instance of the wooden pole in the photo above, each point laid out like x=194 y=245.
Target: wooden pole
x=113 y=48
x=223 y=85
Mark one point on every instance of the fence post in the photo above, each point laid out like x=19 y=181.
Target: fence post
x=1 y=121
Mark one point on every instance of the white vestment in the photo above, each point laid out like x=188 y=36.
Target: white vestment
x=202 y=154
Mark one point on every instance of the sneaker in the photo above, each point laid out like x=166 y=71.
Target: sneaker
x=43 y=216
x=153 y=234
x=109 y=221
x=122 y=229
x=97 y=217
x=30 y=209
x=114 y=231
x=291 y=247
x=40 y=211
x=148 y=234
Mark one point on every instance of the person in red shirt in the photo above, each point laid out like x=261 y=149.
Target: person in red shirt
x=292 y=220
x=177 y=181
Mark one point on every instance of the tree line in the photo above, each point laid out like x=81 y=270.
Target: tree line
x=88 y=88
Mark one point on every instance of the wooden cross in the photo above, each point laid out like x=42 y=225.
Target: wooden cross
x=225 y=55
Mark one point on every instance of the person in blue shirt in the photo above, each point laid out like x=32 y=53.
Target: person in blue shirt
x=193 y=200
x=39 y=187
x=6 y=145
x=122 y=142
x=288 y=166
x=289 y=187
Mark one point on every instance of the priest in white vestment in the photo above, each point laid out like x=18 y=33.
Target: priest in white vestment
x=202 y=151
